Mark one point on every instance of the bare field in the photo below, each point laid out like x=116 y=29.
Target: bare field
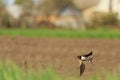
x=61 y=53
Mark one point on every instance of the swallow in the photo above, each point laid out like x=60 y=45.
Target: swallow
x=86 y=57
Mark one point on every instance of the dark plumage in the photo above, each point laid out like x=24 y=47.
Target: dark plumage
x=85 y=57
x=82 y=68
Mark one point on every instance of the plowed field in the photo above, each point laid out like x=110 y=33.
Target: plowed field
x=60 y=53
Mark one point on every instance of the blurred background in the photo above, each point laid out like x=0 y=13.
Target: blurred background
x=47 y=33
x=75 y=14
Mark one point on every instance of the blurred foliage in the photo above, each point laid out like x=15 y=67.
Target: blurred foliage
x=46 y=7
x=11 y=71
x=7 y=21
x=106 y=19
x=49 y=7
x=27 y=5
x=1 y=3
x=109 y=19
x=22 y=2
x=32 y=12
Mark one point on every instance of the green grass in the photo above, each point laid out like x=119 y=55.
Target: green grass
x=62 y=33
x=10 y=71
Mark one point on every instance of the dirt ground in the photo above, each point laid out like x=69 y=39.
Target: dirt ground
x=60 y=53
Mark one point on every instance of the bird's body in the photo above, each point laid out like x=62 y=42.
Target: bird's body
x=82 y=58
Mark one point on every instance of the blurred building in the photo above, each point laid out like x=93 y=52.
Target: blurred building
x=109 y=6
x=102 y=7
x=69 y=16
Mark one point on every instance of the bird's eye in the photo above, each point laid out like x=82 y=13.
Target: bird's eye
x=78 y=56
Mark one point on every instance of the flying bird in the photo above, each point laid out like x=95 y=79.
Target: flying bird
x=86 y=57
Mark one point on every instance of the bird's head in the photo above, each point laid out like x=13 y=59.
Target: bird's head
x=79 y=57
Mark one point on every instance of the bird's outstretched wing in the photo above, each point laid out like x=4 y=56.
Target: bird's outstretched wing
x=89 y=54
x=82 y=68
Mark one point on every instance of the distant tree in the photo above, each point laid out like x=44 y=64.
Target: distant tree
x=2 y=8
x=23 y=2
x=50 y=7
x=110 y=5
x=1 y=3
x=63 y=3
x=27 y=4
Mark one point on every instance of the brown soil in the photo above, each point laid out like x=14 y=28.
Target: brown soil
x=60 y=53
